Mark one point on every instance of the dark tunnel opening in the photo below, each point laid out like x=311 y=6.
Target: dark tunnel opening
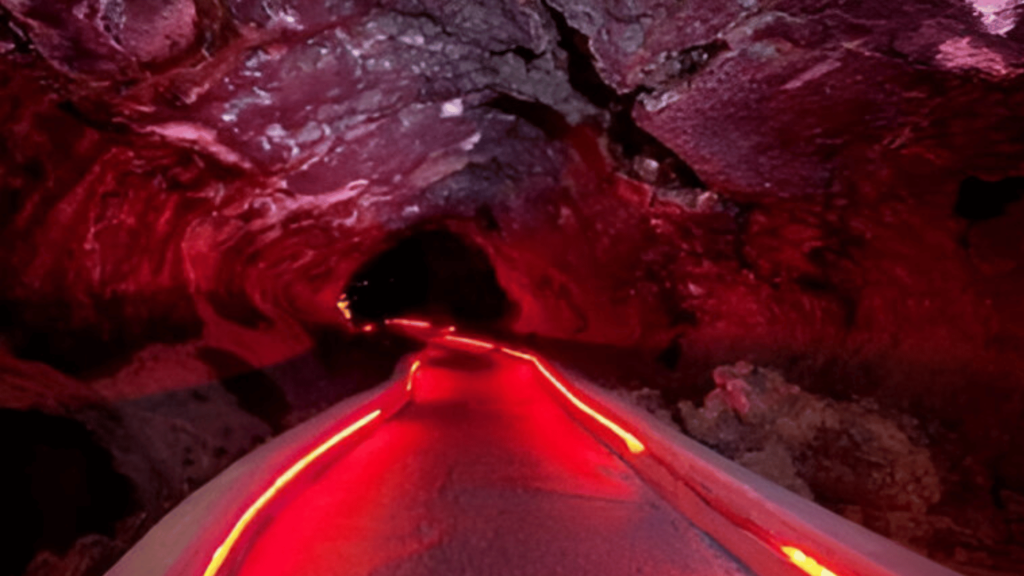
x=58 y=485
x=430 y=274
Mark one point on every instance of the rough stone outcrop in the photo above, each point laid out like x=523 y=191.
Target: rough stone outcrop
x=836 y=452
x=876 y=467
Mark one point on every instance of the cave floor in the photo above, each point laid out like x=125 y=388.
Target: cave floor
x=482 y=474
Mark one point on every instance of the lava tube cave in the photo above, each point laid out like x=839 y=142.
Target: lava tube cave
x=512 y=287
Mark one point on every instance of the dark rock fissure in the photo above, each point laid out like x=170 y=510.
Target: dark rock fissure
x=671 y=355
x=628 y=141
x=547 y=119
x=12 y=33
x=689 y=61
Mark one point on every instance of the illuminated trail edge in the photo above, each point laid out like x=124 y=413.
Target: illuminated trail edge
x=225 y=548
x=796 y=556
x=635 y=446
x=809 y=565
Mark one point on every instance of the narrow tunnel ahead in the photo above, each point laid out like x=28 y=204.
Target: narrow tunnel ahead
x=430 y=274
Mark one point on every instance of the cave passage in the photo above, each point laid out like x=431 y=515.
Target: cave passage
x=431 y=274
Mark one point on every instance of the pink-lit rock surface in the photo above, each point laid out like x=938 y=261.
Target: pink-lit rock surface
x=873 y=465
x=189 y=186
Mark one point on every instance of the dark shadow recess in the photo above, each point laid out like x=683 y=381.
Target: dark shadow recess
x=983 y=200
x=57 y=485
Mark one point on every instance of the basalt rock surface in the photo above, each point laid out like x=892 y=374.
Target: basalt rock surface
x=831 y=188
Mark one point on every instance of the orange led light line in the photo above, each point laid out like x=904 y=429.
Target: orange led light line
x=806 y=563
x=795 y=555
x=407 y=322
x=519 y=354
x=221 y=554
x=635 y=445
x=412 y=373
x=470 y=342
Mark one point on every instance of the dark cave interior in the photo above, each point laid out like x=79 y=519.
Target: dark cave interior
x=666 y=197
x=430 y=274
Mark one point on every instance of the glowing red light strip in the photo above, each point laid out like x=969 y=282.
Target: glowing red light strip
x=470 y=342
x=632 y=443
x=806 y=563
x=519 y=354
x=412 y=373
x=221 y=554
x=407 y=322
x=635 y=446
x=795 y=555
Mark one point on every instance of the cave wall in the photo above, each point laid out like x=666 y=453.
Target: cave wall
x=775 y=181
